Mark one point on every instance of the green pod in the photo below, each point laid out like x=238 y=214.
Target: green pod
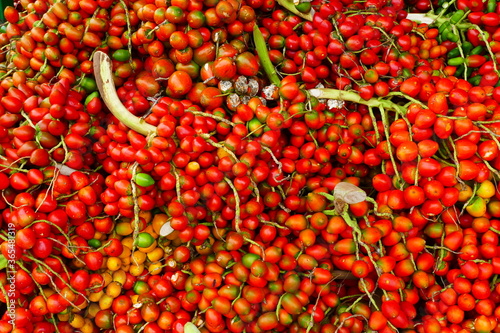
x=454 y=53
x=443 y=27
x=451 y=36
x=460 y=71
x=467 y=47
x=457 y=16
x=477 y=50
x=439 y=10
x=491 y=6
x=475 y=80
x=457 y=61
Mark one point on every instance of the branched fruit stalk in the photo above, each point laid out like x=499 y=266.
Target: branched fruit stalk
x=351 y=96
x=105 y=83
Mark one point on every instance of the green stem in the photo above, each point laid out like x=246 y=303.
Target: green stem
x=262 y=52
x=352 y=96
x=237 y=217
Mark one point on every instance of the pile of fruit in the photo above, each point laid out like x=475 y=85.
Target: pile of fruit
x=250 y=166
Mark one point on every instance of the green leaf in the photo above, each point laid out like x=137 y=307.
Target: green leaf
x=3 y=262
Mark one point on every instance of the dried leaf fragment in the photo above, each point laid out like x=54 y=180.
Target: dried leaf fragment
x=349 y=193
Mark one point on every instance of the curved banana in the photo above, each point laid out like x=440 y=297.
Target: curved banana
x=104 y=79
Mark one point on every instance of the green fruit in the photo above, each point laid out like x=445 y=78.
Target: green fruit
x=95 y=243
x=144 y=180
x=121 y=55
x=304 y=7
x=140 y=287
x=88 y=84
x=249 y=258
x=144 y=240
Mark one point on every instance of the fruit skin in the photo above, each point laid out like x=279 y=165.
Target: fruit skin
x=247 y=64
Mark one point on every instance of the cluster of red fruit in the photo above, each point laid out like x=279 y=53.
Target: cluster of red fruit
x=327 y=167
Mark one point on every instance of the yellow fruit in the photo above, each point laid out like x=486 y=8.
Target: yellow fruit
x=105 y=302
x=174 y=236
x=120 y=276
x=494 y=208
x=138 y=257
x=108 y=277
x=95 y=297
x=155 y=268
x=77 y=321
x=78 y=263
x=128 y=242
x=88 y=327
x=48 y=291
x=465 y=192
x=477 y=207
x=150 y=230
x=93 y=309
x=126 y=253
x=156 y=254
x=63 y=316
x=149 y=248
x=134 y=299
x=99 y=235
x=80 y=306
x=146 y=215
x=486 y=190
x=114 y=289
x=158 y=221
x=124 y=228
x=68 y=294
x=136 y=270
x=114 y=263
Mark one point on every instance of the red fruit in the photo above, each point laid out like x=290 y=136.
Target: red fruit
x=390 y=282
